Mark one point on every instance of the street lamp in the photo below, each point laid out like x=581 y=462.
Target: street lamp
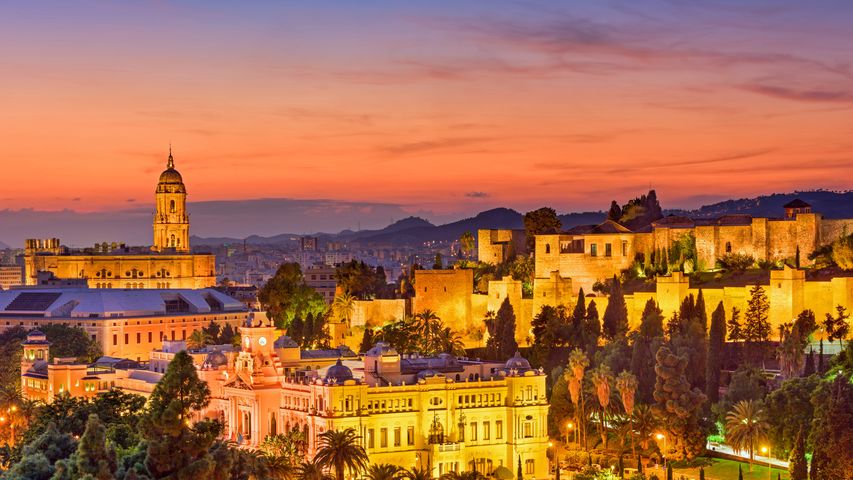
x=765 y=451
x=660 y=437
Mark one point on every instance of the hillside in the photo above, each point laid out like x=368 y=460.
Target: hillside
x=415 y=230
x=829 y=204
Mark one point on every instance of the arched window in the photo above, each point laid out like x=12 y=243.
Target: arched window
x=172 y=206
x=728 y=247
x=172 y=241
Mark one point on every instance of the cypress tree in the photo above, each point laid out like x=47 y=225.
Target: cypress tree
x=578 y=317
x=797 y=466
x=366 y=340
x=809 y=368
x=501 y=344
x=699 y=311
x=175 y=448
x=651 y=324
x=664 y=263
x=639 y=464
x=687 y=310
x=591 y=328
x=615 y=321
x=716 y=342
x=820 y=357
x=297 y=329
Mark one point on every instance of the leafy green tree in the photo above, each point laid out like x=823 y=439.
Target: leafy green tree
x=615 y=321
x=678 y=405
x=94 y=458
x=363 y=281
x=286 y=295
x=837 y=327
x=538 y=222
x=39 y=456
x=68 y=341
x=501 y=343
x=341 y=452
x=716 y=342
x=832 y=429
x=177 y=448
x=561 y=409
x=366 y=340
x=296 y=332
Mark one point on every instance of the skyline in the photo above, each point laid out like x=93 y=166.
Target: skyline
x=442 y=109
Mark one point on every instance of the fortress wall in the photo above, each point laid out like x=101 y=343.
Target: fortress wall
x=546 y=255
x=447 y=293
x=833 y=229
x=376 y=313
x=707 y=246
x=554 y=290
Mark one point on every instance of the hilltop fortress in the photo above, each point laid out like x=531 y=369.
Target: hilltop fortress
x=578 y=258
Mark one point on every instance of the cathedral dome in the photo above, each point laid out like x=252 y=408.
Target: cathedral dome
x=170 y=175
x=517 y=363
x=170 y=180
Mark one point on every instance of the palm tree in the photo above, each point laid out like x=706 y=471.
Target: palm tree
x=645 y=424
x=384 y=471
x=312 y=470
x=578 y=362
x=626 y=384
x=417 y=473
x=467 y=475
x=466 y=244
x=451 y=342
x=601 y=379
x=343 y=307
x=341 y=451
x=746 y=425
x=198 y=339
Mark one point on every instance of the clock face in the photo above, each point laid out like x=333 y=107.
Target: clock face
x=262 y=341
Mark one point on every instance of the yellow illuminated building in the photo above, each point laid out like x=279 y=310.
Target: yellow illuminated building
x=166 y=264
x=439 y=413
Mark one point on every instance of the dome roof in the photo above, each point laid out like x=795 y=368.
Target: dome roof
x=339 y=372
x=517 y=362
x=215 y=360
x=285 y=342
x=170 y=175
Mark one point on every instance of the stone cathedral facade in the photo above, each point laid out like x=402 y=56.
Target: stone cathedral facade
x=167 y=263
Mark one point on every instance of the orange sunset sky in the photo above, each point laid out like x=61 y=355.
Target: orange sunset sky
x=442 y=107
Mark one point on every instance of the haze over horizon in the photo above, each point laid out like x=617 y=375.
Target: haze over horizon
x=437 y=109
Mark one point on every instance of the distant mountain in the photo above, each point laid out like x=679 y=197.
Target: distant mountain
x=416 y=230
x=829 y=204
x=3 y=246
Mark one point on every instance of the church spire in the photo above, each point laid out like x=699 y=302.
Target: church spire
x=171 y=163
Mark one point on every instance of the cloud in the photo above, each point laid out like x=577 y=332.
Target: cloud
x=476 y=194
x=430 y=145
x=801 y=95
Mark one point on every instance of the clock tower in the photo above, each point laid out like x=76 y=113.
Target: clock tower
x=257 y=359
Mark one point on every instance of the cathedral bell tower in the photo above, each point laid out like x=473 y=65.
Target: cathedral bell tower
x=171 y=222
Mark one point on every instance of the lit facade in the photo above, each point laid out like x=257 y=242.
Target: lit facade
x=441 y=413
x=166 y=264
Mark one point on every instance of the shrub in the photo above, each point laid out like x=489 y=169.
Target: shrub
x=736 y=262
